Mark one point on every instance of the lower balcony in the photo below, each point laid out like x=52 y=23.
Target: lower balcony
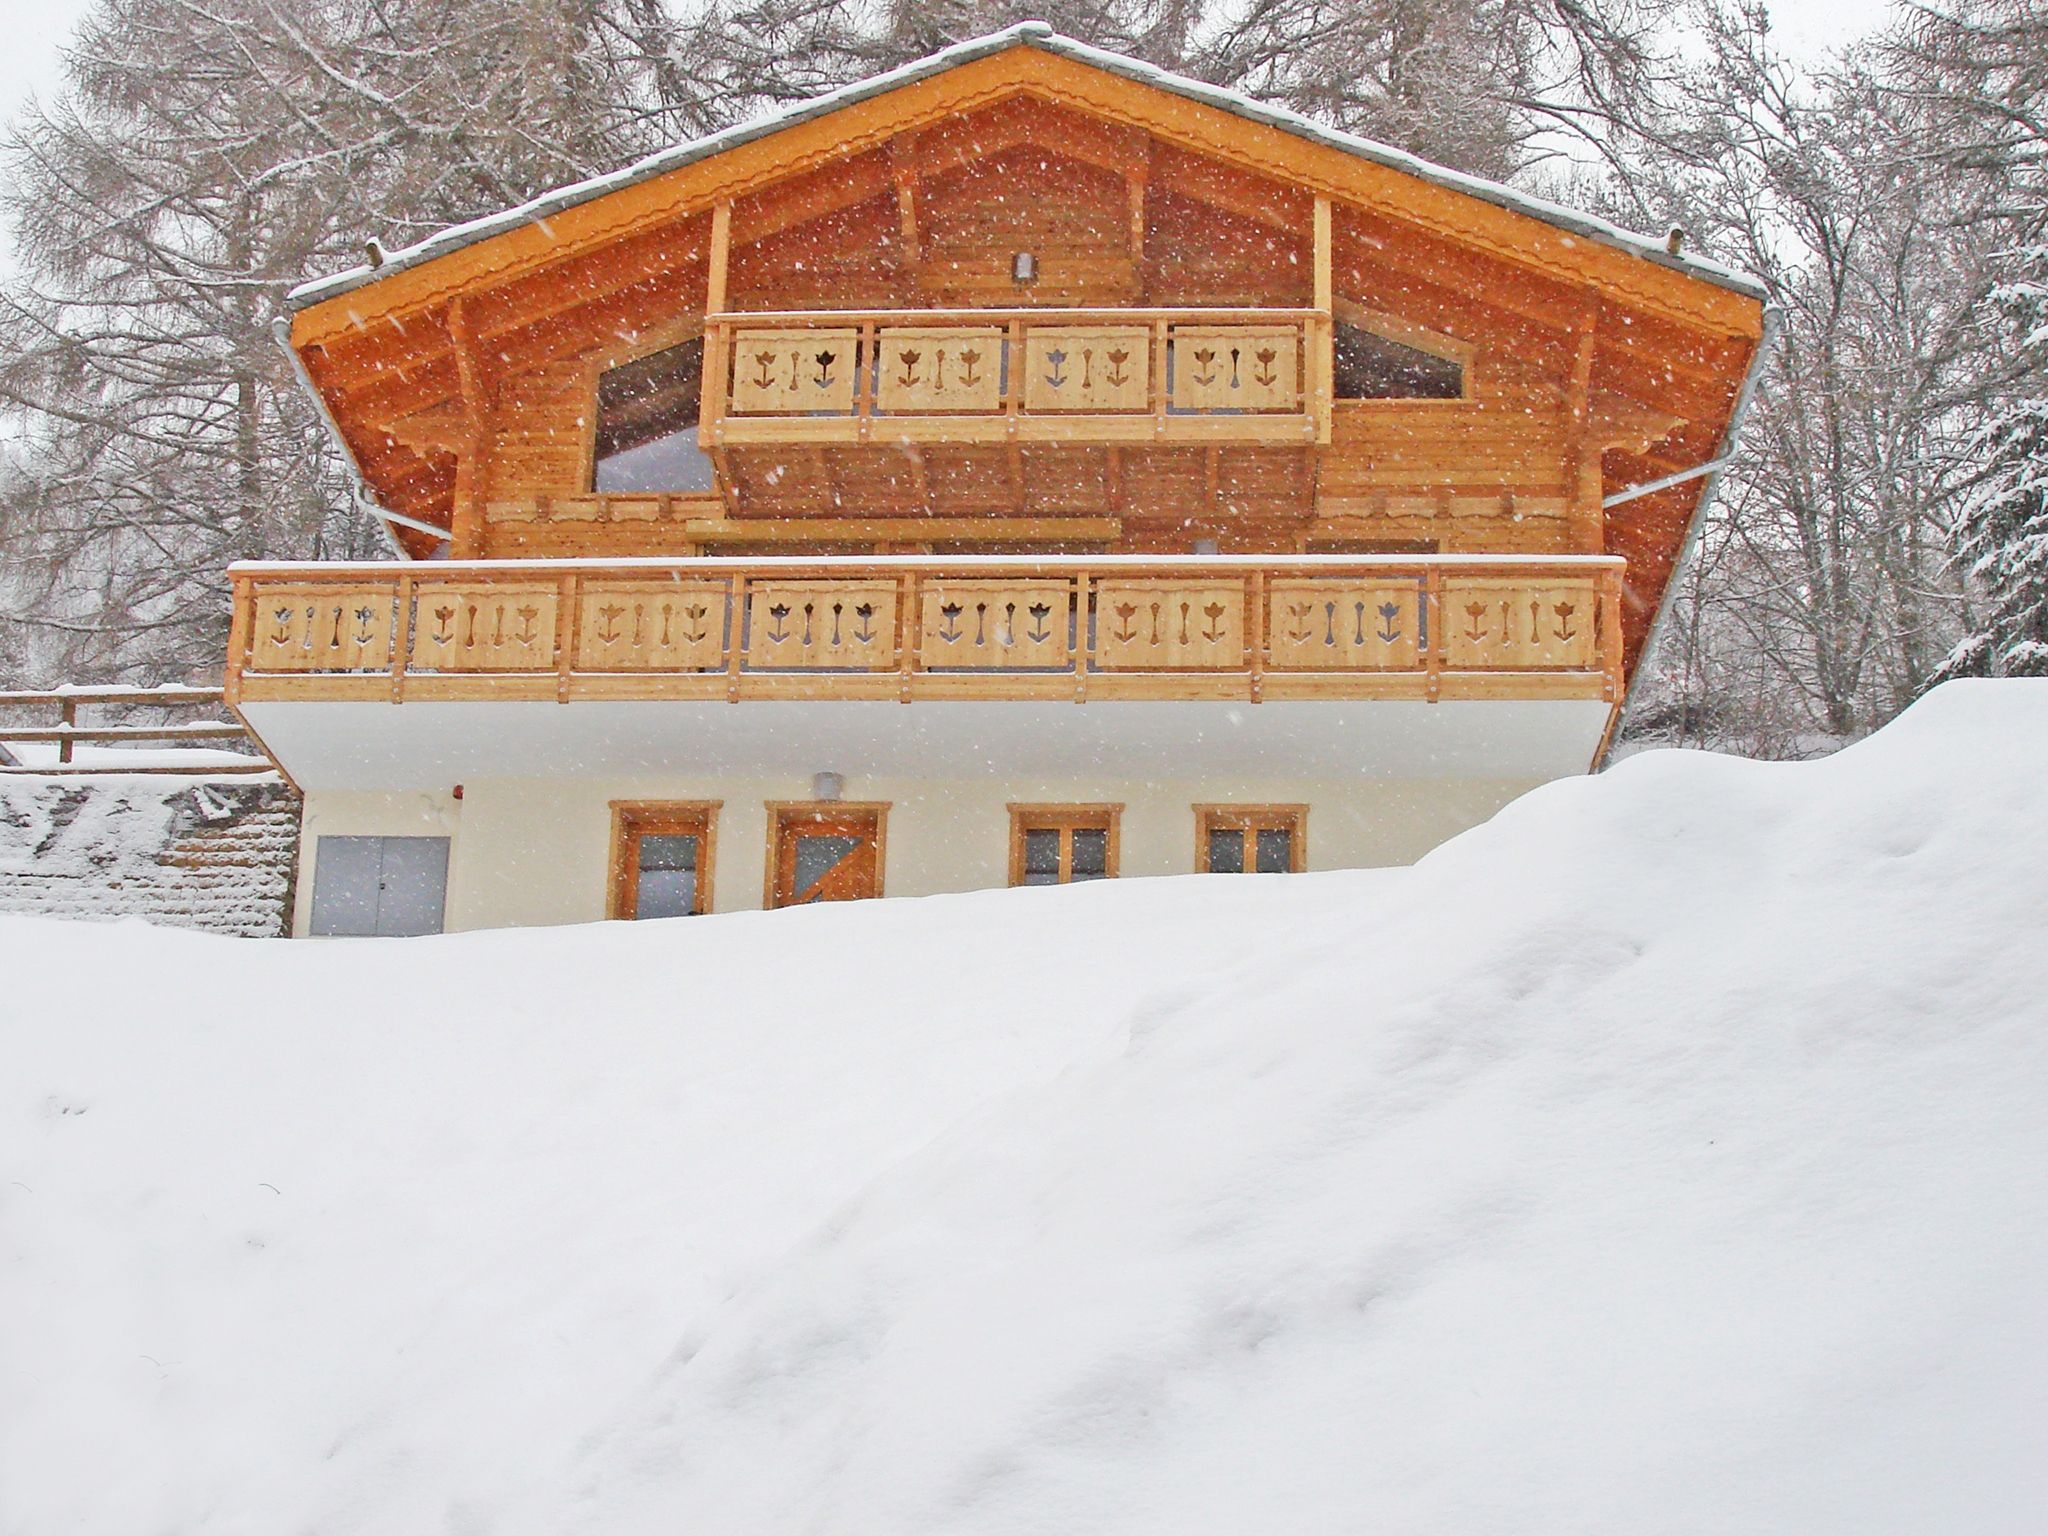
x=909 y=628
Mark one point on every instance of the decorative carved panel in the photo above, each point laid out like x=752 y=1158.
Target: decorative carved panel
x=1347 y=625
x=996 y=624
x=1498 y=623
x=1236 y=367
x=939 y=370
x=651 y=627
x=493 y=628
x=1168 y=625
x=844 y=625
x=1087 y=368
x=793 y=373
x=322 y=629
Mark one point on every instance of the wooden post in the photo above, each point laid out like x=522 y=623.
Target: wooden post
x=67 y=720
x=1160 y=393
x=1610 y=632
x=242 y=601
x=1255 y=635
x=1321 y=331
x=720 y=259
x=717 y=341
x=867 y=353
x=1433 y=656
x=736 y=648
x=565 y=636
x=1013 y=409
x=467 y=521
x=1084 y=638
x=909 y=632
x=401 y=637
x=1582 y=463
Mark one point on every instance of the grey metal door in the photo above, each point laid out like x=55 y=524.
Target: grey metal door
x=392 y=887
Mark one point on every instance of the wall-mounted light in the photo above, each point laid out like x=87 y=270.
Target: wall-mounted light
x=827 y=786
x=1024 y=267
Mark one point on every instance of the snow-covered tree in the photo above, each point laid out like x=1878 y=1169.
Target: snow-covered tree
x=203 y=157
x=2004 y=533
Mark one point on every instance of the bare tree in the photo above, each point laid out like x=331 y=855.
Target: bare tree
x=1829 y=553
x=205 y=156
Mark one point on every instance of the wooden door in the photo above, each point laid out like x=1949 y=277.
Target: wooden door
x=826 y=853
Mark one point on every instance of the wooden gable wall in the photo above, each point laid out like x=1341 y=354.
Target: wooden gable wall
x=1574 y=388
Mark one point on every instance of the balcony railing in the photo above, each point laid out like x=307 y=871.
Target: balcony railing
x=916 y=627
x=1027 y=375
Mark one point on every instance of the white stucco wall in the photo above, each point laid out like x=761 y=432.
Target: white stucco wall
x=537 y=851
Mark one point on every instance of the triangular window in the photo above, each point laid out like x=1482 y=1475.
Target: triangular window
x=1370 y=367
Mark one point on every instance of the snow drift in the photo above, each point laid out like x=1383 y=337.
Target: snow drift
x=1665 y=1156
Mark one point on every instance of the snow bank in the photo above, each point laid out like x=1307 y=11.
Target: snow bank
x=1665 y=1156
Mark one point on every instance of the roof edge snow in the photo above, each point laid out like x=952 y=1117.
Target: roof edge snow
x=1032 y=34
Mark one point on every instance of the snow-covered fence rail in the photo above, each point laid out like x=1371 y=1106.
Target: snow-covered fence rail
x=66 y=732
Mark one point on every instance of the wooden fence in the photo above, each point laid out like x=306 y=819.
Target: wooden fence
x=66 y=730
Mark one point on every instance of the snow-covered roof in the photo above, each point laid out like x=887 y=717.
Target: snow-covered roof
x=1030 y=34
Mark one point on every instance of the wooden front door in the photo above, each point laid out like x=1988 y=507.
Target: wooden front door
x=825 y=852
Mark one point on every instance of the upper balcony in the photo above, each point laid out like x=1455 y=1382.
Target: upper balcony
x=1077 y=376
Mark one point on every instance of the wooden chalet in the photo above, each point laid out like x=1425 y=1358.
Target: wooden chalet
x=1022 y=467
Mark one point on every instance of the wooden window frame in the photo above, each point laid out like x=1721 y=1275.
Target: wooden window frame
x=780 y=811
x=634 y=819
x=1224 y=816
x=1066 y=818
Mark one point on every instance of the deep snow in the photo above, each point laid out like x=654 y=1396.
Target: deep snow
x=1669 y=1155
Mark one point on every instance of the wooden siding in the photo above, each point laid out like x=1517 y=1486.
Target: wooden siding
x=1585 y=369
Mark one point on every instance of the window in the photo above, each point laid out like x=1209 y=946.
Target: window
x=1251 y=839
x=647 y=424
x=1370 y=367
x=1060 y=844
x=386 y=887
x=661 y=858
x=824 y=850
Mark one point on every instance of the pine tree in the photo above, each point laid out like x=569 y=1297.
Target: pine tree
x=2004 y=529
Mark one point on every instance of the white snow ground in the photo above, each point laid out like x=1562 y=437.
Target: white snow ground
x=1668 y=1156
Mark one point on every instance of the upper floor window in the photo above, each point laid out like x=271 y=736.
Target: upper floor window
x=1060 y=844
x=647 y=424
x=1251 y=839
x=1371 y=367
